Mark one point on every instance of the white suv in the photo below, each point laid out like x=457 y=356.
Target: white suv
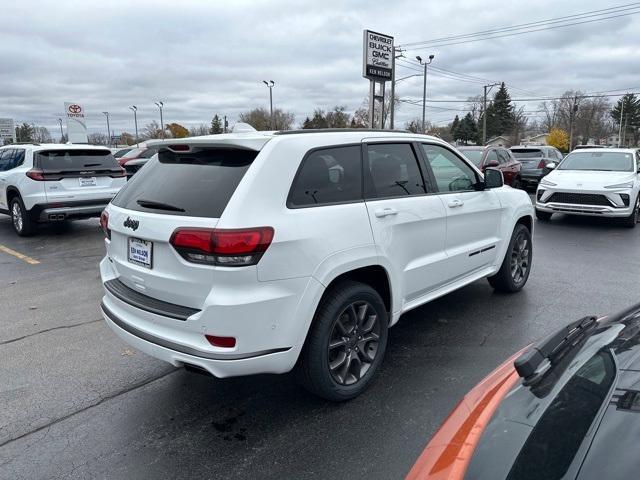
x=253 y=253
x=56 y=182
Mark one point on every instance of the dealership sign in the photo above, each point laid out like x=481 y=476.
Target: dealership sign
x=378 y=56
x=7 y=130
x=76 y=125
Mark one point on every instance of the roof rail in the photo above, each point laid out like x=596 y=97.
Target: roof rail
x=336 y=130
x=23 y=143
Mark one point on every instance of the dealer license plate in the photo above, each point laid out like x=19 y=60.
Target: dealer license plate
x=88 y=181
x=140 y=252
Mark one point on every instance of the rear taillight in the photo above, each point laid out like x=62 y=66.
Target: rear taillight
x=104 y=223
x=221 y=247
x=542 y=164
x=119 y=174
x=35 y=174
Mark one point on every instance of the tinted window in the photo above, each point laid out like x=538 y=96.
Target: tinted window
x=59 y=160
x=18 y=158
x=503 y=156
x=6 y=159
x=527 y=153
x=133 y=153
x=197 y=184
x=149 y=152
x=555 y=439
x=331 y=175
x=393 y=171
x=602 y=161
x=122 y=152
x=451 y=173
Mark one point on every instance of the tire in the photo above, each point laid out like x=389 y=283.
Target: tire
x=517 y=183
x=516 y=266
x=632 y=220
x=334 y=339
x=543 y=216
x=22 y=223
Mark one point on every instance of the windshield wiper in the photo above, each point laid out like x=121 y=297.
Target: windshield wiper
x=158 y=205
x=92 y=164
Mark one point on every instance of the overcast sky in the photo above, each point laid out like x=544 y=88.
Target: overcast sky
x=207 y=57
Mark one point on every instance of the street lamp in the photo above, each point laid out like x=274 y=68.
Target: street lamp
x=270 y=84
x=106 y=114
x=160 y=105
x=424 y=89
x=61 y=132
x=134 y=109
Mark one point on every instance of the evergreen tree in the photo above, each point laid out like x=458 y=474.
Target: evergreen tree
x=627 y=109
x=500 y=113
x=216 y=125
x=454 y=126
x=307 y=123
x=467 y=130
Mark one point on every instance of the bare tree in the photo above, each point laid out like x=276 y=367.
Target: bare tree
x=519 y=125
x=152 y=130
x=202 y=129
x=475 y=107
x=592 y=119
x=361 y=115
x=40 y=134
x=97 y=139
x=260 y=119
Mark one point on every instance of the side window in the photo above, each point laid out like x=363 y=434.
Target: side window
x=451 y=173
x=393 y=170
x=327 y=176
x=492 y=156
x=18 y=158
x=559 y=155
x=503 y=156
x=6 y=161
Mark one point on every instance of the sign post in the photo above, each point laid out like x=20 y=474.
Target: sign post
x=76 y=126
x=7 y=130
x=377 y=66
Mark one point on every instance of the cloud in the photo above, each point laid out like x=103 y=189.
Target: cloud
x=206 y=58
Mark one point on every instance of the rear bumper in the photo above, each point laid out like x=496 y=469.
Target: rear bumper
x=46 y=212
x=268 y=319
x=531 y=176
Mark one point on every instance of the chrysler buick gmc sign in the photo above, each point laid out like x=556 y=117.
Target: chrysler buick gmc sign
x=378 y=56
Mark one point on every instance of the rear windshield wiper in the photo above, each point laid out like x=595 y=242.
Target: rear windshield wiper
x=158 y=205
x=549 y=351
x=92 y=164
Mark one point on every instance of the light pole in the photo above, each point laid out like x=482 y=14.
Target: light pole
x=397 y=53
x=134 y=109
x=61 y=132
x=160 y=105
x=424 y=89
x=270 y=84
x=572 y=117
x=106 y=114
x=484 y=111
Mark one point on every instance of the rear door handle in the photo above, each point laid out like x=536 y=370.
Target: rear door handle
x=386 y=212
x=456 y=202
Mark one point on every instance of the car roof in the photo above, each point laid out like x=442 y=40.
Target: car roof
x=256 y=140
x=603 y=150
x=55 y=146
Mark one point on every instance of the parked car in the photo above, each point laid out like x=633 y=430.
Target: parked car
x=145 y=150
x=534 y=160
x=132 y=166
x=53 y=182
x=495 y=157
x=119 y=152
x=580 y=147
x=567 y=407
x=260 y=252
x=599 y=182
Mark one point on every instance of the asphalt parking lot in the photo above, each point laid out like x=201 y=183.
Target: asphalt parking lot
x=76 y=402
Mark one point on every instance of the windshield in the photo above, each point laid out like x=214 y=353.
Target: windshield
x=474 y=155
x=196 y=184
x=600 y=161
x=527 y=153
x=122 y=152
x=59 y=160
x=133 y=153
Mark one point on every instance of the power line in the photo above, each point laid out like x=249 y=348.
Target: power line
x=530 y=25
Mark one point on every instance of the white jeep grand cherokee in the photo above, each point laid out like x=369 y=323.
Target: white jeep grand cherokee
x=260 y=252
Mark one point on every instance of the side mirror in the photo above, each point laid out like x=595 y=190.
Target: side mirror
x=492 y=164
x=551 y=165
x=493 y=178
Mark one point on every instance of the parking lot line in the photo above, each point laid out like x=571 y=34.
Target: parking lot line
x=24 y=258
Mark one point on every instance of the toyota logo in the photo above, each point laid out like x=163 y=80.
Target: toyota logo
x=75 y=108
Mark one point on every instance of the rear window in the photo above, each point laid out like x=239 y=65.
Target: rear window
x=74 y=160
x=133 y=153
x=194 y=184
x=527 y=153
x=474 y=155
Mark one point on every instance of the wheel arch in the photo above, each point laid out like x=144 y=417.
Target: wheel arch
x=375 y=275
x=12 y=192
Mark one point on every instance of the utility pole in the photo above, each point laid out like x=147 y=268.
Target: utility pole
x=226 y=124
x=424 y=90
x=397 y=53
x=484 y=112
x=620 y=129
x=61 y=132
x=106 y=114
x=135 y=120
x=270 y=84
x=572 y=115
x=160 y=105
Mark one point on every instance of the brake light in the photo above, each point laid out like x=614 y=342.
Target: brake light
x=104 y=223
x=179 y=148
x=35 y=174
x=119 y=174
x=222 y=247
x=542 y=164
x=225 y=342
